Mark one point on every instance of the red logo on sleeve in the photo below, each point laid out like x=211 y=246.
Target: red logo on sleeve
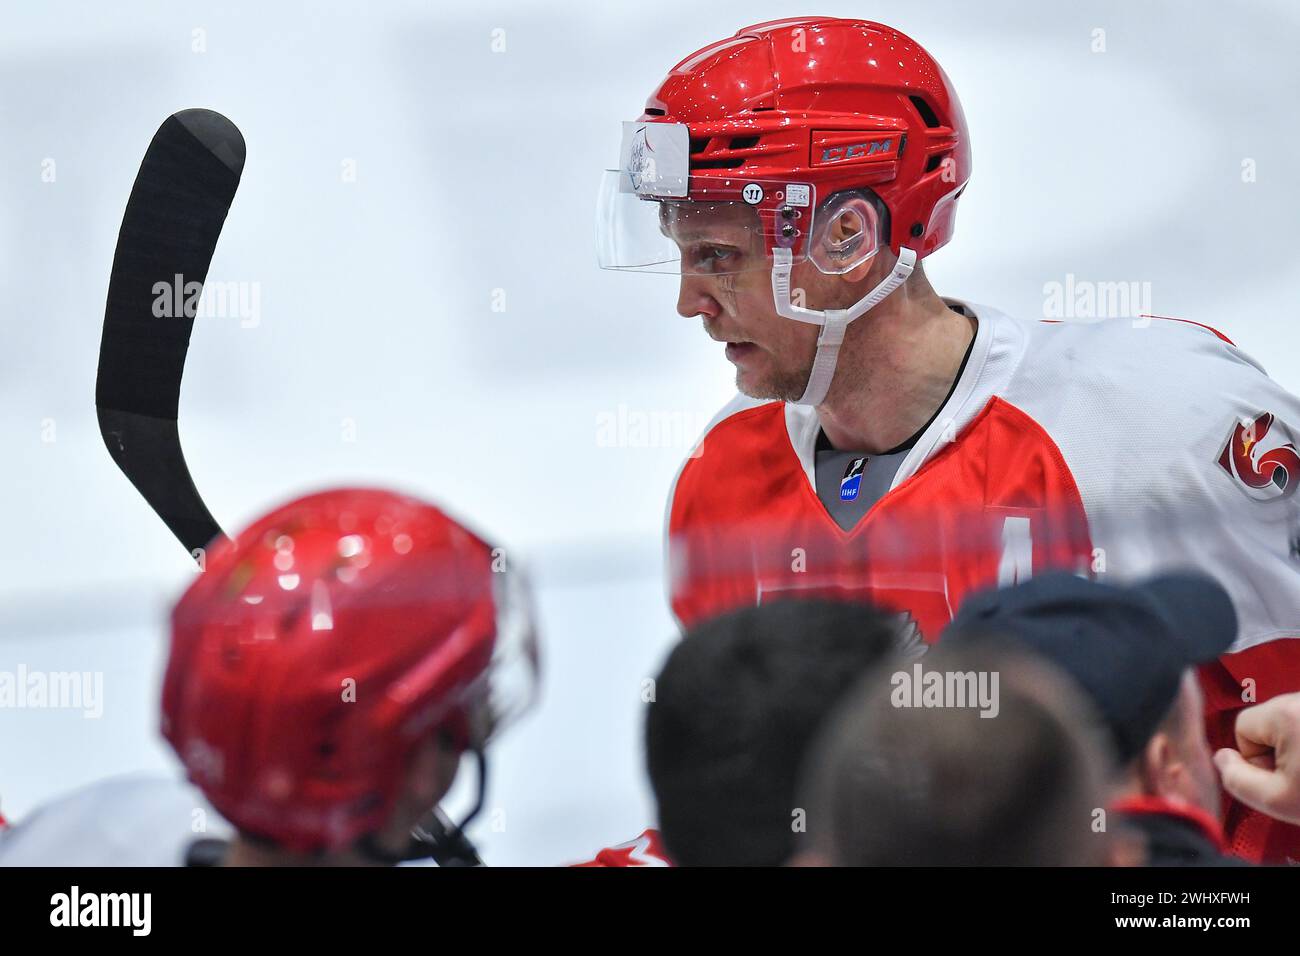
x=1261 y=456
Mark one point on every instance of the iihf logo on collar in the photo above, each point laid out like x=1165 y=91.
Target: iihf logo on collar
x=852 y=480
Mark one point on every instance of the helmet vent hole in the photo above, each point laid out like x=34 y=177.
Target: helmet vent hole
x=927 y=114
x=734 y=163
x=934 y=162
x=744 y=142
x=699 y=145
x=652 y=111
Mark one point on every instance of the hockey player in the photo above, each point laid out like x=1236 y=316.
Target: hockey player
x=327 y=671
x=906 y=448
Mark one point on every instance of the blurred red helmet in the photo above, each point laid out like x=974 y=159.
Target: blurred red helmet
x=326 y=640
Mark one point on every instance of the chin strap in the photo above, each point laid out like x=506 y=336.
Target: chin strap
x=834 y=322
x=435 y=836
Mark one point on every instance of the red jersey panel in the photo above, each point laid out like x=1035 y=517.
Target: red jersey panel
x=981 y=511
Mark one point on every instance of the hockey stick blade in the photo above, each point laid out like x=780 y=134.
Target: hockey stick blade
x=173 y=219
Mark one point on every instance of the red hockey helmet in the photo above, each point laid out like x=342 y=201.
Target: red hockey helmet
x=322 y=643
x=755 y=147
x=820 y=103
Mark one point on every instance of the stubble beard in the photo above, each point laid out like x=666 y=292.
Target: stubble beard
x=783 y=385
x=779 y=385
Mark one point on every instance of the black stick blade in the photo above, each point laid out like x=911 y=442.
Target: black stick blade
x=173 y=219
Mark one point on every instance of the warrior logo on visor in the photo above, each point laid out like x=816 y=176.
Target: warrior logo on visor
x=641 y=165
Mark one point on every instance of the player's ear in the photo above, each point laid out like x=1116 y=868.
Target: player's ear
x=846 y=236
x=1154 y=762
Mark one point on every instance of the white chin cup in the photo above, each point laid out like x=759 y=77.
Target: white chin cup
x=834 y=322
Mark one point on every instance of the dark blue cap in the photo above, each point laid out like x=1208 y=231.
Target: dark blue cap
x=1126 y=646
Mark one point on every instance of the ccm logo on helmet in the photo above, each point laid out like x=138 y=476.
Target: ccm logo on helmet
x=1262 y=458
x=844 y=154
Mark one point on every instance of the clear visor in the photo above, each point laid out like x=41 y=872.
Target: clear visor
x=514 y=671
x=726 y=226
x=506 y=686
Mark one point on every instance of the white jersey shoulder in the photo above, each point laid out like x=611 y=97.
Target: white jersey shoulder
x=1184 y=454
x=130 y=820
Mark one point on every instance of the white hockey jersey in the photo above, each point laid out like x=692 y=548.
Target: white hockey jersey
x=131 y=820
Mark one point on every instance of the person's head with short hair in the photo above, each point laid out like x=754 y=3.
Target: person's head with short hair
x=735 y=706
x=895 y=782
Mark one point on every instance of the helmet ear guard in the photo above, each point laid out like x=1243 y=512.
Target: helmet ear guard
x=846 y=233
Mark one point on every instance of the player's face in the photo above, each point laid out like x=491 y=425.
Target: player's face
x=727 y=281
x=430 y=771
